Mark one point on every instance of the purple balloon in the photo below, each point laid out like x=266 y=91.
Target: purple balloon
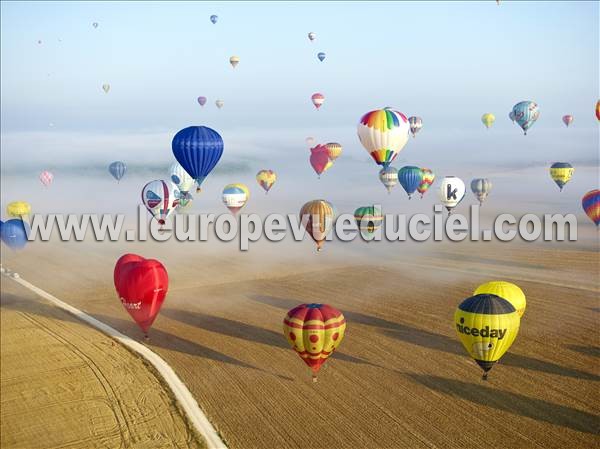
x=202 y=101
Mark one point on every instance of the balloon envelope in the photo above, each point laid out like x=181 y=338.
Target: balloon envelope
x=383 y=133
x=368 y=220
x=106 y=88
x=317 y=218
x=160 y=198
x=567 y=120
x=181 y=178
x=334 y=150
x=591 y=205
x=314 y=331
x=416 y=123
x=117 y=169
x=198 y=149
x=318 y=100
x=220 y=103
x=142 y=286
x=201 y=101
x=266 y=179
x=14 y=233
x=235 y=196
x=561 y=173
x=46 y=178
x=488 y=119
x=18 y=208
x=319 y=159
x=452 y=191
x=526 y=113
x=427 y=178
x=312 y=36
x=410 y=177
x=214 y=18
x=481 y=188
x=487 y=325
x=389 y=177
x=234 y=61
x=321 y=56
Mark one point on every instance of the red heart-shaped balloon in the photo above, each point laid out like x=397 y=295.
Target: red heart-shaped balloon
x=142 y=285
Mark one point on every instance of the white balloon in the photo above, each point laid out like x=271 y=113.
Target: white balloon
x=452 y=191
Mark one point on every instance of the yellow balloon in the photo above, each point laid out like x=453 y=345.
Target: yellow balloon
x=234 y=61
x=487 y=326
x=488 y=119
x=317 y=218
x=18 y=209
x=334 y=150
x=506 y=290
x=561 y=173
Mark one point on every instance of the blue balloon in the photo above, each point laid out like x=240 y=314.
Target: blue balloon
x=117 y=169
x=198 y=149
x=214 y=18
x=321 y=56
x=14 y=233
x=410 y=178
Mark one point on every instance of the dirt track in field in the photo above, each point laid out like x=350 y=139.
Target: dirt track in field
x=401 y=379
x=66 y=385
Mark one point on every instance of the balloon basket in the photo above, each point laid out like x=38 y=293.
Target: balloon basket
x=484 y=376
x=314 y=378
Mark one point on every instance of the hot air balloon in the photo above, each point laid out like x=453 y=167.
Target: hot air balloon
x=410 y=177
x=18 y=209
x=319 y=159
x=46 y=178
x=511 y=116
x=14 y=233
x=183 y=181
x=235 y=196
x=416 y=123
x=314 y=331
x=383 y=133
x=334 y=150
x=427 y=178
x=567 y=120
x=160 y=198
x=310 y=141
x=481 y=188
x=506 y=290
x=318 y=100
x=591 y=205
x=198 y=150
x=117 y=169
x=598 y=110
x=214 y=19
x=317 y=218
x=388 y=177
x=488 y=119
x=312 y=36
x=368 y=220
x=266 y=179
x=561 y=173
x=321 y=56
x=201 y=101
x=234 y=61
x=106 y=88
x=452 y=191
x=526 y=113
x=95 y=24
x=142 y=285
x=487 y=325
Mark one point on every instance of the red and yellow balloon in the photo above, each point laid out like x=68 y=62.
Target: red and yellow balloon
x=314 y=331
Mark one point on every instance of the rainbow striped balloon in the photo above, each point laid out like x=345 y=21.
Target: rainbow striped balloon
x=314 y=331
x=591 y=205
x=383 y=133
x=427 y=179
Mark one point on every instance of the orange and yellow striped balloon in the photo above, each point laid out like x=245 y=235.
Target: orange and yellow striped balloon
x=314 y=331
x=317 y=218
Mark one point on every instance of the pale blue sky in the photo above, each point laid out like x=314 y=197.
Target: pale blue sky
x=448 y=62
